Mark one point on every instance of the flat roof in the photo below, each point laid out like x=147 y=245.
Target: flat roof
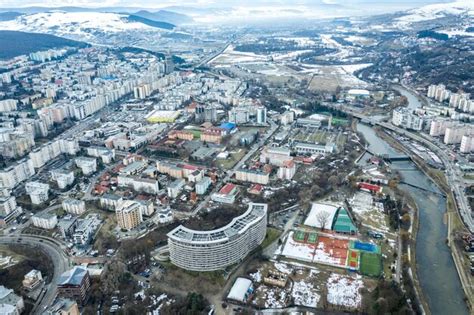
x=238 y=225
x=329 y=211
x=239 y=290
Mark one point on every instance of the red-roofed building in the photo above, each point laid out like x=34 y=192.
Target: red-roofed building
x=287 y=170
x=255 y=189
x=226 y=194
x=369 y=187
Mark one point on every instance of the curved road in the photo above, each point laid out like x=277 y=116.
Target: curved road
x=57 y=255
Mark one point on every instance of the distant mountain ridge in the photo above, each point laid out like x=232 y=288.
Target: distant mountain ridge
x=9 y=15
x=16 y=43
x=150 y=22
x=165 y=16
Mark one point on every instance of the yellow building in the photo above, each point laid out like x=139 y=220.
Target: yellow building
x=129 y=215
x=163 y=116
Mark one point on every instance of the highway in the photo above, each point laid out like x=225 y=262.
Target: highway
x=453 y=174
x=60 y=263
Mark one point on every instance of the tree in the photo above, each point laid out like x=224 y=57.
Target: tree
x=322 y=217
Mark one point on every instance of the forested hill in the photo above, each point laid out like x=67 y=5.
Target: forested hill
x=14 y=43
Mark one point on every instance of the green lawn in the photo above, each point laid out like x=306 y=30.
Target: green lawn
x=370 y=264
x=232 y=159
x=272 y=235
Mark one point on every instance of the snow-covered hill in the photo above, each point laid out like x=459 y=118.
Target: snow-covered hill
x=85 y=26
x=436 y=11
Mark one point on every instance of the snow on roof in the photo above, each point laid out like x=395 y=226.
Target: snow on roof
x=73 y=276
x=316 y=208
x=239 y=290
x=358 y=92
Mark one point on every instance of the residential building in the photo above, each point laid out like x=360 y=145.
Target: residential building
x=405 y=118
x=203 y=185
x=129 y=215
x=438 y=126
x=74 y=206
x=88 y=165
x=63 y=307
x=455 y=134
x=146 y=207
x=220 y=248
x=17 y=173
x=32 y=280
x=45 y=220
x=67 y=226
x=8 y=105
x=110 y=201
x=86 y=229
x=175 y=187
x=467 y=144
x=287 y=170
x=139 y=184
x=38 y=192
x=275 y=155
x=74 y=284
x=105 y=154
x=253 y=176
x=261 y=115
x=63 y=177
x=239 y=115
x=9 y=210
x=10 y=303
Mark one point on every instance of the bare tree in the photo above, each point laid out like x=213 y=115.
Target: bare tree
x=322 y=217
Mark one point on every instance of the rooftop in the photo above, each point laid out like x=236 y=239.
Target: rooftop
x=238 y=225
x=73 y=276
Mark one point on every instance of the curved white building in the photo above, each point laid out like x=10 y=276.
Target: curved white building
x=217 y=249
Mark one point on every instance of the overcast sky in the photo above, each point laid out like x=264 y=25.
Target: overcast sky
x=207 y=3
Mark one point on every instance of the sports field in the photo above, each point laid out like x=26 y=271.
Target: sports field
x=370 y=264
x=353 y=260
x=331 y=250
x=299 y=236
x=312 y=238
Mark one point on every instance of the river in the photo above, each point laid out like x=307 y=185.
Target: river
x=413 y=101
x=435 y=266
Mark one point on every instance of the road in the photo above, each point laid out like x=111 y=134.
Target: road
x=452 y=172
x=58 y=257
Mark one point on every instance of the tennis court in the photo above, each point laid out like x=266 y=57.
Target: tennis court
x=353 y=260
x=299 y=236
x=312 y=238
x=333 y=248
x=370 y=264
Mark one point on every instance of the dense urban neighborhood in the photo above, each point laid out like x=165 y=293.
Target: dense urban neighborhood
x=171 y=162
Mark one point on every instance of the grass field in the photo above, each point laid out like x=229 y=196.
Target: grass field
x=272 y=235
x=370 y=264
x=232 y=159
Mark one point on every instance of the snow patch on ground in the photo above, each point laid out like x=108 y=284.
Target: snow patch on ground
x=344 y=291
x=256 y=277
x=284 y=268
x=434 y=11
x=304 y=294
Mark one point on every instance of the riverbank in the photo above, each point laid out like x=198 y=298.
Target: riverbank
x=411 y=250
x=451 y=211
